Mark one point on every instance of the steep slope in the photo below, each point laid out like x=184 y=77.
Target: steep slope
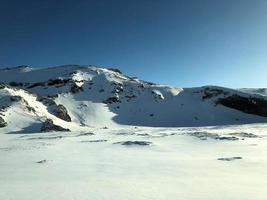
x=22 y=112
x=79 y=96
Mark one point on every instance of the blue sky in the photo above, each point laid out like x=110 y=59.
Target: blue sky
x=177 y=42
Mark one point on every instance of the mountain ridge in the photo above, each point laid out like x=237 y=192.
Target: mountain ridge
x=93 y=96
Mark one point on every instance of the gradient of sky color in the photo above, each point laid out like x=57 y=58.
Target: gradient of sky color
x=177 y=42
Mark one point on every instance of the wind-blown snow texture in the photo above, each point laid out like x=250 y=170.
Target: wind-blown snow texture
x=99 y=97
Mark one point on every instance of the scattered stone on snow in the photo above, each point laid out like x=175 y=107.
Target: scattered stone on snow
x=134 y=143
x=230 y=158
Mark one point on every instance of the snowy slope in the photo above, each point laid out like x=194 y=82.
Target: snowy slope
x=95 y=166
x=99 y=97
x=259 y=91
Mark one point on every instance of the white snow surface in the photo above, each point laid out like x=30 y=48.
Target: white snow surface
x=76 y=166
x=196 y=149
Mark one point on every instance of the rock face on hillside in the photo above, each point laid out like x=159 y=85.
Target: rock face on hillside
x=2 y=122
x=75 y=88
x=49 y=126
x=250 y=105
x=62 y=113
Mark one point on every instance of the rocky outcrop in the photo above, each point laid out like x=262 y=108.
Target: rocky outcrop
x=250 y=105
x=75 y=88
x=49 y=126
x=61 y=112
x=230 y=158
x=2 y=86
x=15 y=84
x=113 y=99
x=58 y=81
x=2 y=122
x=46 y=100
x=134 y=143
x=58 y=110
x=209 y=93
x=15 y=98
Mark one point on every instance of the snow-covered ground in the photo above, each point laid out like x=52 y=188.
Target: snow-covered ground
x=95 y=164
x=127 y=139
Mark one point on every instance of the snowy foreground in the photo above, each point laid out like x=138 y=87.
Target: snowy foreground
x=223 y=162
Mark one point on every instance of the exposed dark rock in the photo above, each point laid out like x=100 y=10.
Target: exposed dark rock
x=206 y=135
x=212 y=92
x=57 y=81
x=91 y=141
x=15 y=84
x=246 y=135
x=156 y=95
x=230 y=158
x=231 y=138
x=143 y=134
x=41 y=161
x=49 y=126
x=15 y=98
x=61 y=112
x=250 y=105
x=40 y=84
x=117 y=84
x=2 y=122
x=47 y=101
x=46 y=137
x=130 y=143
x=2 y=86
x=30 y=109
x=85 y=134
x=118 y=90
x=75 y=88
x=113 y=99
x=3 y=108
x=130 y=97
x=125 y=133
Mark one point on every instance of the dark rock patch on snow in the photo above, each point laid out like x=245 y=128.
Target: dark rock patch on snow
x=206 y=135
x=113 y=99
x=245 y=135
x=62 y=113
x=75 y=88
x=42 y=162
x=49 y=126
x=134 y=143
x=3 y=123
x=15 y=98
x=250 y=105
x=209 y=93
x=46 y=137
x=91 y=141
x=85 y=134
x=230 y=158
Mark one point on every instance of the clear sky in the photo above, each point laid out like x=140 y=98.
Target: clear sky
x=177 y=42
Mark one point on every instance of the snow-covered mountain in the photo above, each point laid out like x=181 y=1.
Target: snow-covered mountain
x=75 y=97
